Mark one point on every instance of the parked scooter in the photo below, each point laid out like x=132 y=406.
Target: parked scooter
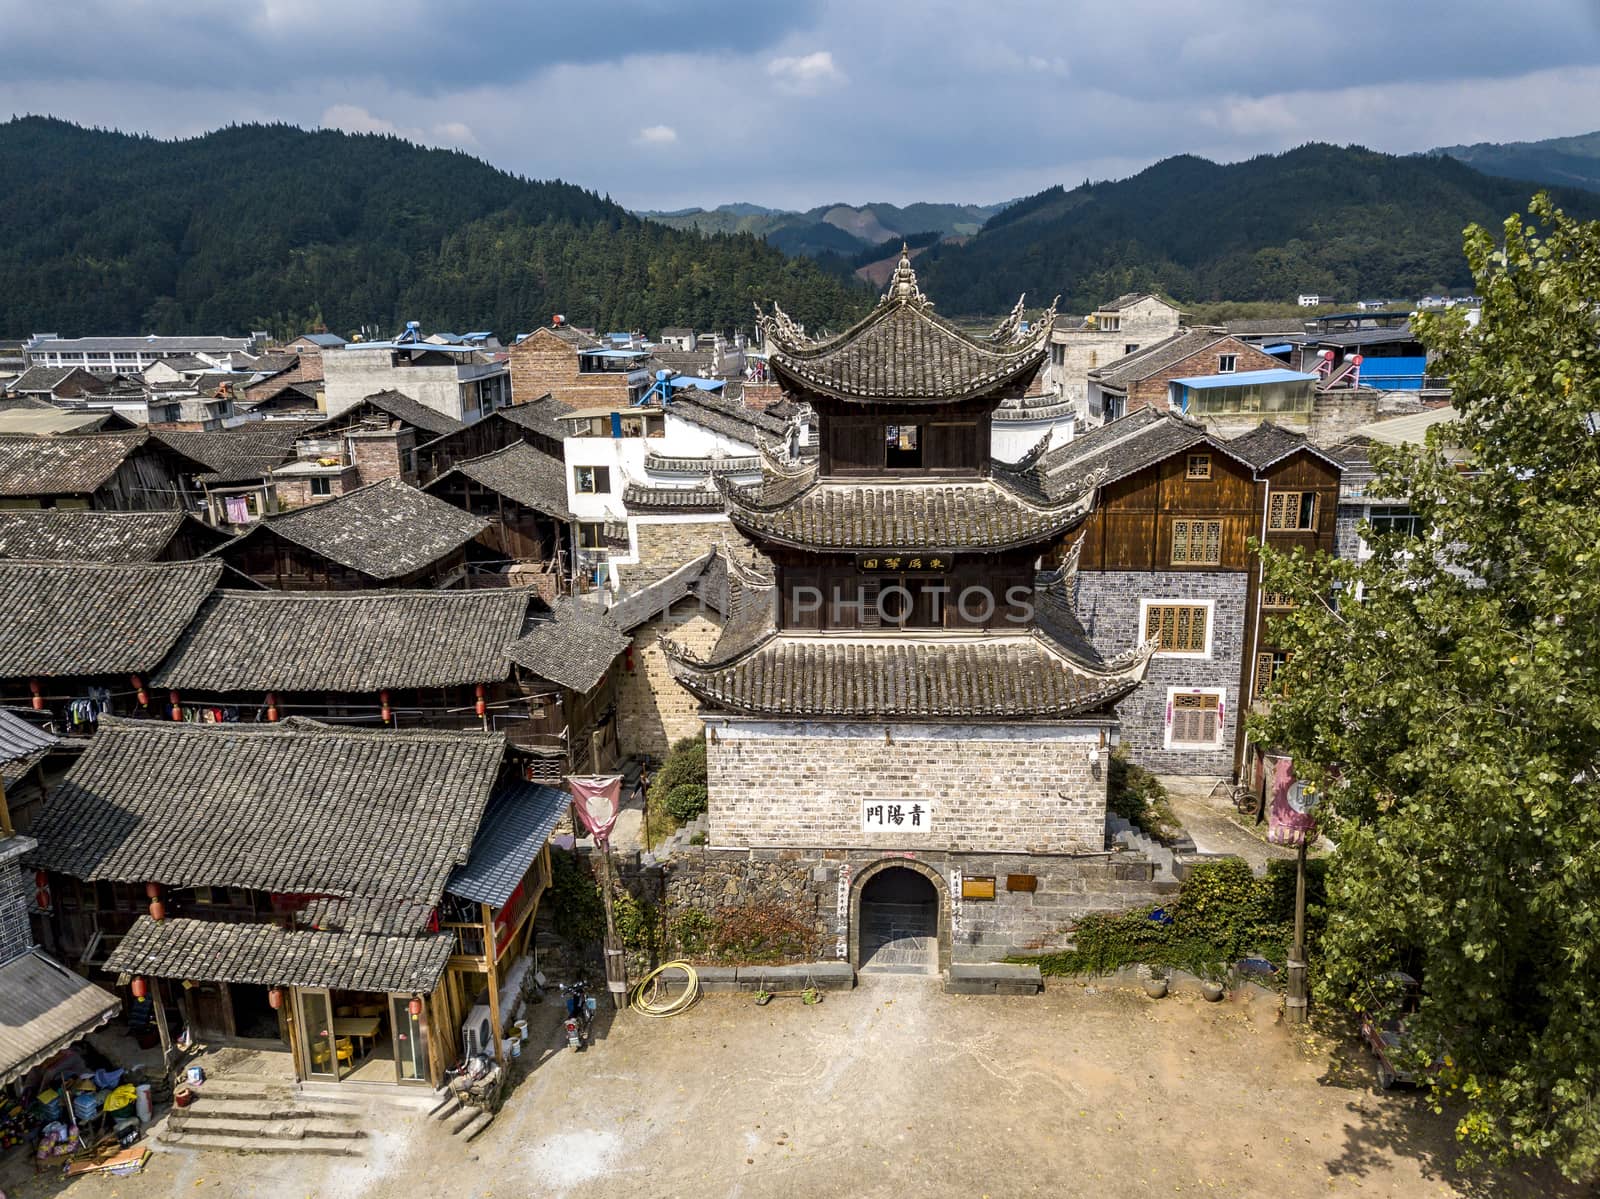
x=580 y=1013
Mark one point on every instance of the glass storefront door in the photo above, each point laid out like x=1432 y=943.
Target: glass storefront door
x=410 y=1041
x=316 y=1034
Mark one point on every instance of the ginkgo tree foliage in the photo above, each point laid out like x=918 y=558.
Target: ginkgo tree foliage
x=1443 y=695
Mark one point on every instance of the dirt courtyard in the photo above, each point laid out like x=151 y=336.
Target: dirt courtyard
x=896 y=1089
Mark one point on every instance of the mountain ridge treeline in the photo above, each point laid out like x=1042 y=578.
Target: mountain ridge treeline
x=280 y=228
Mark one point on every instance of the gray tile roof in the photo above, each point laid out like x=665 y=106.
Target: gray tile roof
x=149 y=345
x=1267 y=443
x=39 y=379
x=379 y=817
x=70 y=534
x=20 y=739
x=573 y=647
x=645 y=604
x=1026 y=675
x=384 y=530
x=403 y=409
x=541 y=416
x=519 y=472
x=576 y=338
x=1140 y=439
x=519 y=821
x=1155 y=358
x=75 y=465
x=44 y=1007
x=902 y=351
x=249 y=451
x=726 y=415
x=637 y=497
x=91 y=618
x=984 y=514
x=346 y=640
x=269 y=956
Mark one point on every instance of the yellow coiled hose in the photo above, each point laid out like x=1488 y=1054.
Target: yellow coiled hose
x=645 y=998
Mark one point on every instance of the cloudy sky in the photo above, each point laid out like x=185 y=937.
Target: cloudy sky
x=669 y=103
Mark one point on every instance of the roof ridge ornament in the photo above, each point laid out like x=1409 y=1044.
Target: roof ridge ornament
x=1010 y=328
x=781 y=327
x=903 y=283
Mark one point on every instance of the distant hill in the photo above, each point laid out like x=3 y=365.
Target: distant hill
x=1342 y=221
x=1559 y=161
x=842 y=229
x=273 y=227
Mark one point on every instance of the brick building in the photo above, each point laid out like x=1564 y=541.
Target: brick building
x=901 y=696
x=577 y=369
x=1140 y=379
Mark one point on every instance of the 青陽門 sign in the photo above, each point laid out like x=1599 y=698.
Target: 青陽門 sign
x=896 y=816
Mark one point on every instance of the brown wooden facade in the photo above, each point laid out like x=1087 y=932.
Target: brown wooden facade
x=276 y=562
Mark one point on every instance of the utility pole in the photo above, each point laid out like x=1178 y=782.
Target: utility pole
x=1294 y=1005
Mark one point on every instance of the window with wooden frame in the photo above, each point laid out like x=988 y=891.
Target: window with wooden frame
x=1269 y=664
x=1199 y=467
x=591 y=480
x=1180 y=627
x=1292 y=511
x=1196 y=542
x=1276 y=599
x=1196 y=719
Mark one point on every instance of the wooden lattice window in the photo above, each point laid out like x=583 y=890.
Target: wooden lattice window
x=1181 y=627
x=1268 y=666
x=1199 y=466
x=1196 y=542
x=1196 y=719
x=1276 y=599
x=1292 y=510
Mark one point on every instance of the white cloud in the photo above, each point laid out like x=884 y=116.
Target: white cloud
x=352 y=118
x=805 y=74
x=657 y=135
x=455 y=133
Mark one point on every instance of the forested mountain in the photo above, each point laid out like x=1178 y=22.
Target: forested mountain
x=1346 y=222
x=1559 y=161
x=273 y=227
x=842 y=229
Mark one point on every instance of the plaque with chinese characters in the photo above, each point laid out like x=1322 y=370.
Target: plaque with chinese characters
x=908 y=560
x=896 y=816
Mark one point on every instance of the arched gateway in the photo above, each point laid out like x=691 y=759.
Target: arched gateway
x=899 y=918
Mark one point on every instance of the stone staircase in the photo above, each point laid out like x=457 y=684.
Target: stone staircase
x=1132 y=838
x=267 y=1116
x=462 y=1119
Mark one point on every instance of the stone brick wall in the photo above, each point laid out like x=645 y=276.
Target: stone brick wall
x=653 y=711
x=1025 y=788
x=1152 y=392
x=380 y=454
x=1108 y=605
x=307 y=368
x=666 y=545
x=805 y=884
x=542 y=363
x=16 y=888
x=294 y=491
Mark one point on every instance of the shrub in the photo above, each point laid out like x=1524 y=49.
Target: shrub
x=577 y=911
x=638 y=923
x=692 y=932
x=762 y=933
x=686 y=801
x=1138 y=796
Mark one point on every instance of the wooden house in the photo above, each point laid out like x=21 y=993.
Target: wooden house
x=79 y=639
x=108 y=472
x=349 y=892
x=522 y=492
x=66 y=535
x=386 y=534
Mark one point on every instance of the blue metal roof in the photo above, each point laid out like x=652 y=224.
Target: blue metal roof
x=696 y=382
x=518 y=822
x=1244 y=379
x=1282 y=347
x=615 y=353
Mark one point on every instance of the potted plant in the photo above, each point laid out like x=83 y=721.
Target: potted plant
x=1213 y=976
x=1154 y=978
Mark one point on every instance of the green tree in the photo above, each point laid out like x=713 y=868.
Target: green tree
x=1450 y=710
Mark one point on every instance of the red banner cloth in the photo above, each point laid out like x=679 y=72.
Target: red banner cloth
x=597 y=798
x=1290 y=818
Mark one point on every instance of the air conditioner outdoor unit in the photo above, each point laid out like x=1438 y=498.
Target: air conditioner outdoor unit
x=477 y=1034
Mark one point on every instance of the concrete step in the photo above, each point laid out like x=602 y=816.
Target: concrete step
x=244 y=1088
x=286 y=1107
x=215 y=1141
x=447 y=1109
x=463 y=1118
x=189 y=1121
x=481 y=1121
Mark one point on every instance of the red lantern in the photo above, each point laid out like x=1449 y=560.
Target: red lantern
x=177 y=712
x=41 y=890
x=140 y=693
x=383 y=699
x=38 y=694
x=158 y=910
x=140 y=988
x=275 y=998
x=481 y=707
x=272 y=706
x=415 y=1006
